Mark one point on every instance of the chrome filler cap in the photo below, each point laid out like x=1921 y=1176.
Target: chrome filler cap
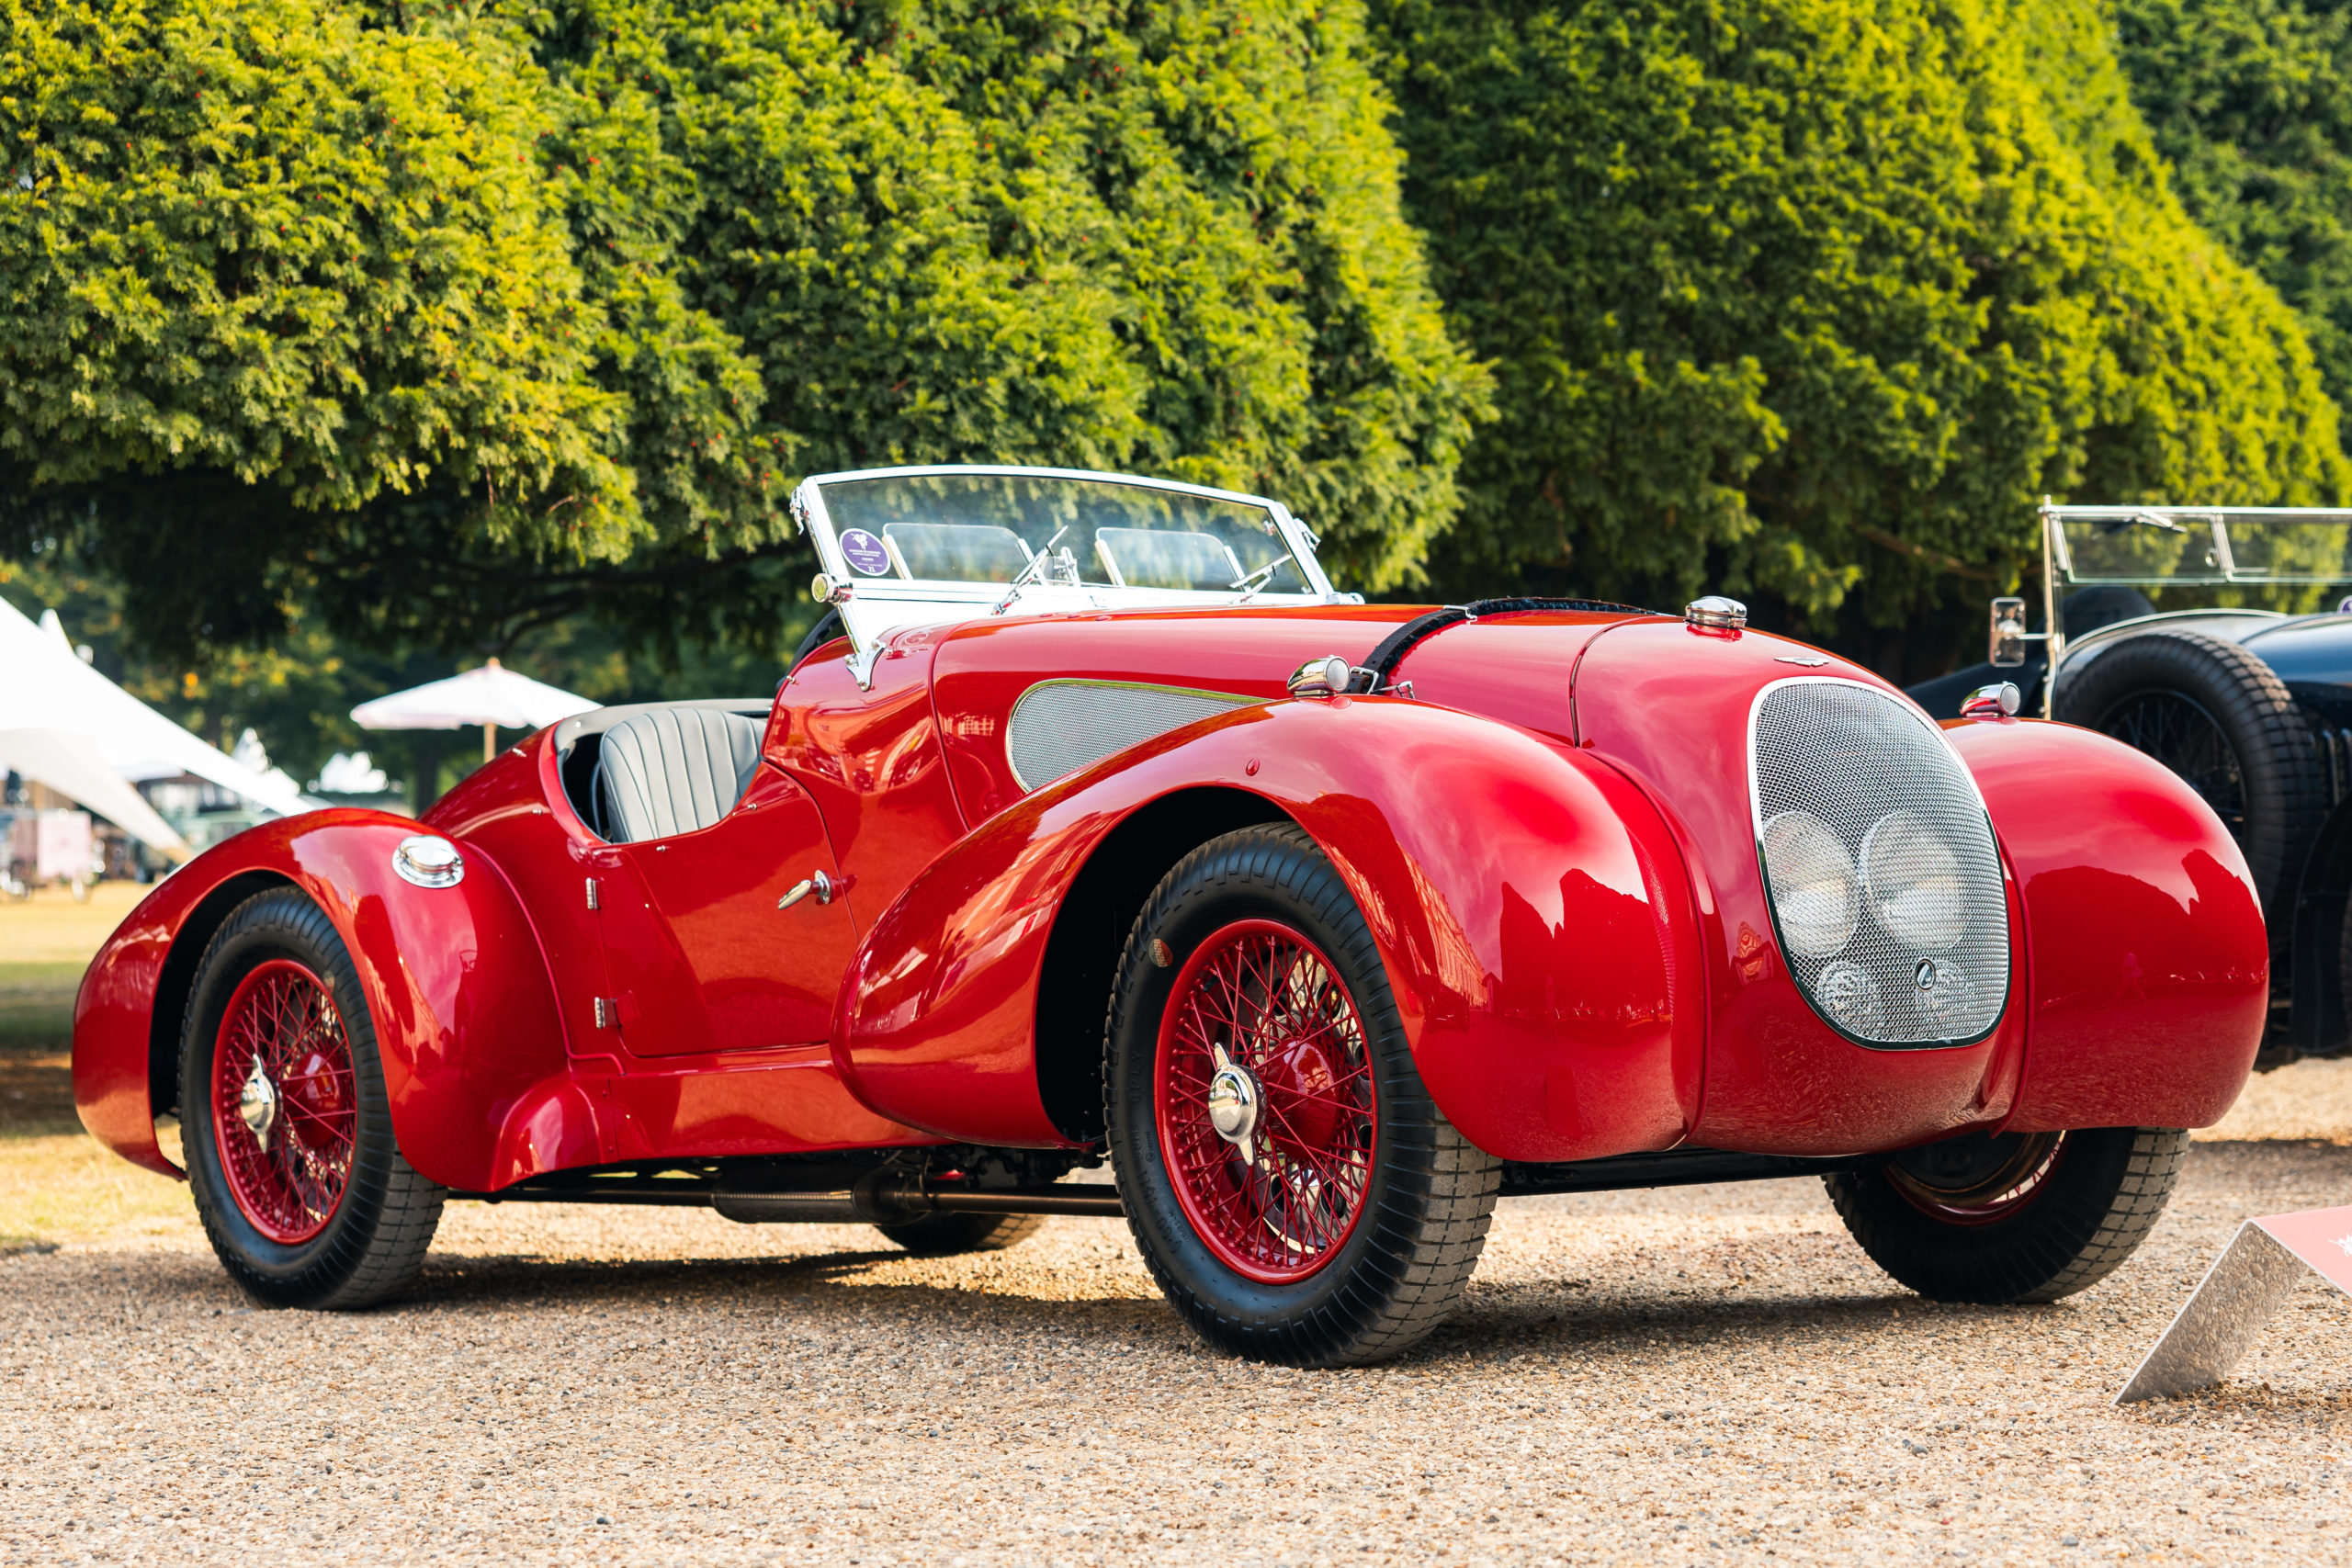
x=1999 y=700
x=1715 y=613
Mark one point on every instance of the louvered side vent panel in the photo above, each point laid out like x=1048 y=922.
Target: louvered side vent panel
x=2334 y=748
x=1059 y=726
x=1888 y=896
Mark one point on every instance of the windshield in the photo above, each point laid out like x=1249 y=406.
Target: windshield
x=1008 y=529
x=2155 y=547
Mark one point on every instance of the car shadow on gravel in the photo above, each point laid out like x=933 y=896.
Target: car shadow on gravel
x=1512 y=1321
x=523 y=1279
x=829 y=1278
x=1499 y=1321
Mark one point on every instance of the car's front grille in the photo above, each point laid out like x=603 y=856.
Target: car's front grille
x=1880 y=864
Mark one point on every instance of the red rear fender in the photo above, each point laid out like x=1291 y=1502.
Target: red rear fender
x=1527 y=904
x=437 y=966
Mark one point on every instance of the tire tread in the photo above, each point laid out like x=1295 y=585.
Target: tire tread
x=1439 y=1200
x=377 y=1247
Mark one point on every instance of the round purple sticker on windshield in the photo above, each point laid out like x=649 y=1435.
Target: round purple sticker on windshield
x=865 y=553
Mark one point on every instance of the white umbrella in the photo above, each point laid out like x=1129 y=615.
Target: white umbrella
x=493 y=697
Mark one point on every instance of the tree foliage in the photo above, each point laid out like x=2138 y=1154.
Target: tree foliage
x=450 y=323
x=2251 y=101
x=1787 y=295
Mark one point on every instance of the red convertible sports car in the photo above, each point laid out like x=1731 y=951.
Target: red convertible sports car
x=1093 y=824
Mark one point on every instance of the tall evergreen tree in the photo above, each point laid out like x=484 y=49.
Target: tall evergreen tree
x=450 y=322
x=2251 y=103
x=1786 y=296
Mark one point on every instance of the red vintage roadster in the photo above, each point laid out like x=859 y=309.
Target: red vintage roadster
x=1093 y=824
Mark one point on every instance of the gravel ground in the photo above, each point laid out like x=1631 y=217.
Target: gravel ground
x=1695 y=1375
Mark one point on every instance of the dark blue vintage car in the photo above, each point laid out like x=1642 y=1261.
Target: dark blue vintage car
x=2248 y=701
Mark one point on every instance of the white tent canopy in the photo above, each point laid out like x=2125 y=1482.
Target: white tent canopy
x=72 y=765
x=45 y=688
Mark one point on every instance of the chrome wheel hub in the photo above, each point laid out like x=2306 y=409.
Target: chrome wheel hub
x=257 y=1103
x=1235 y=1097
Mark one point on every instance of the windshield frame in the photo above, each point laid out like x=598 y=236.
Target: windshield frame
x=2213 y=521
x=871 y=608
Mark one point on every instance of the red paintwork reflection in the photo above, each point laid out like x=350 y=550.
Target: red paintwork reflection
x=1516 y=668
x=701 y=957
x=871 y=761
x=115 y=1028
x=441 y=969
x=1527 y=927
x=2150 y=966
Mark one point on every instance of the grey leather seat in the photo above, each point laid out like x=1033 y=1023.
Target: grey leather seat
x=672 y=770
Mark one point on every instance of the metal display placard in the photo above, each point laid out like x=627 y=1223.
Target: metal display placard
x=2223 y=1316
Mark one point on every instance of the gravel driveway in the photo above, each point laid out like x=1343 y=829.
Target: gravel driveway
x=1696 y=1375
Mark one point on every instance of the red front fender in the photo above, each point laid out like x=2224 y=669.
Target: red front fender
x=2145 y=952
x=1528 y=905
x=438 y=967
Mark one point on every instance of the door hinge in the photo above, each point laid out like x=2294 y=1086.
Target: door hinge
x=592 y=891
x=606 y=1009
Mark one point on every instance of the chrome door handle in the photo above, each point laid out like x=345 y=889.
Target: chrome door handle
x=823 y=887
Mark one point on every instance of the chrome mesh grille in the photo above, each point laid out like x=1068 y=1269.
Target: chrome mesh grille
x=1926 y=959
x=1059 y=726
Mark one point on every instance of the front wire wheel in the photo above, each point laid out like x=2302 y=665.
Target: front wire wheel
x=1291 y=1185
x=1261 y=1039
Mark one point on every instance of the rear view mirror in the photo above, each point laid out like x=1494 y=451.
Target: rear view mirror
x=2008 y=633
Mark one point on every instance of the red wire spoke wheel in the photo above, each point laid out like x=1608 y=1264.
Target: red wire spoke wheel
x=1994 y=1178
x=289 y=1147
x=2000 y=1218
x=284 y=1103
x=1287 y=1178
x=1259 y=1034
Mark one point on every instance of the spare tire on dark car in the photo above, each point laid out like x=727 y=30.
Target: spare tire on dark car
x=2220 y=717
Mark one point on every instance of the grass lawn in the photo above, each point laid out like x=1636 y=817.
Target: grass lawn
x=56 y=1183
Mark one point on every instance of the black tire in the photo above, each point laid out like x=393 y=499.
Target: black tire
x=1933 y=1218
x=944 y=1235
x=376 y=1237
x=1428 y=1194
x=2222 y=718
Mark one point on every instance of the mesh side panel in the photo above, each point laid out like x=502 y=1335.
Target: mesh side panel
x=1059 y=726
x=1849 y=757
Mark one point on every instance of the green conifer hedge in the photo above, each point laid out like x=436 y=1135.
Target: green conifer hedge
x=449 y=321
x=1811 y=299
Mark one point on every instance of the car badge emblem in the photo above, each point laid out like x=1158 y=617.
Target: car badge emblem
x=1810 y=660
x=1925 y=974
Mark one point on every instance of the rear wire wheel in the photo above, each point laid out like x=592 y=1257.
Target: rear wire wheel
x=944 y=1235
x=2013 y=1217
x=1292 y=1188
x=287 y=1127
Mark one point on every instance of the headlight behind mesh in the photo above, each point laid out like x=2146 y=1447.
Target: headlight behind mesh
x=1812 y=884
x=1912 y=883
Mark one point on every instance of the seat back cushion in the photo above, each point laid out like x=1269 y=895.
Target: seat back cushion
x=672 y=770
